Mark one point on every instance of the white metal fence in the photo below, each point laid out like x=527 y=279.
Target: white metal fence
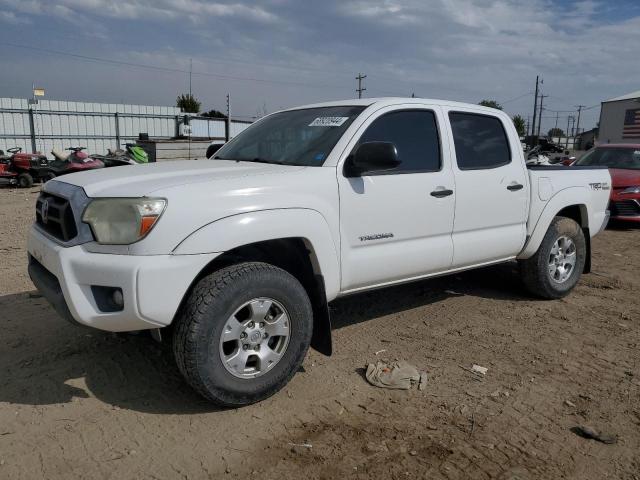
x=97 y=126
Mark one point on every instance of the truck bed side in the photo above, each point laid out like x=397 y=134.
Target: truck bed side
x=554 y=189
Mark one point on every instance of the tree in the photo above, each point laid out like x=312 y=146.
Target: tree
x=556 y=132
x=214 y=114
x=490 y=103
x=188 y=103
x=520 y=125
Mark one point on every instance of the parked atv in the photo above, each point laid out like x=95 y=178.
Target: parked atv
x=133 y=155
x=28 y=167
x=74 y=161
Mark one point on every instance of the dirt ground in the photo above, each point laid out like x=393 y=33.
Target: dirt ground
x=77 y=403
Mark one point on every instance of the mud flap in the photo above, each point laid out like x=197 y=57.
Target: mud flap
x=321 y=337
x=587 y=258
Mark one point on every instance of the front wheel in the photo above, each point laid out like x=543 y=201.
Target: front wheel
x=25 y=180
x=243 y=333
x=556 y=267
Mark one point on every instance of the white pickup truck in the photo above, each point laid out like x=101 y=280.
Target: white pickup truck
x=234 y=259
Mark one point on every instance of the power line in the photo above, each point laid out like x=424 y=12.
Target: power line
x=166 y=69
x=514 y=99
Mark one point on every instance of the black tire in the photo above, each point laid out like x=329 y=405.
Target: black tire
x=535 y=270
x=45 y=177
x=200 y=323
x=25 y=180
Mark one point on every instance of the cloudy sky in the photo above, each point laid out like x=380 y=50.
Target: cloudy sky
x=279 y=53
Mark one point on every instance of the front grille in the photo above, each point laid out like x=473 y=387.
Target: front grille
x=625 y=208
x=55 y=216
x=39 y=162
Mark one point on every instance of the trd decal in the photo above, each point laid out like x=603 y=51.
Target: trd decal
x=600 y=186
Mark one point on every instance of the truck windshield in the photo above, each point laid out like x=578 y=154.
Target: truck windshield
x=296 y=137
x=612 y=157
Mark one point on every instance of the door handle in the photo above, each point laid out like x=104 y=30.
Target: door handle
x=515 y=187
x=441 y=193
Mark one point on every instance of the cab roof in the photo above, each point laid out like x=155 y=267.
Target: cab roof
x=389 y=101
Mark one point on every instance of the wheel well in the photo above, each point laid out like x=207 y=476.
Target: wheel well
x=297 y=257
x=578 y=213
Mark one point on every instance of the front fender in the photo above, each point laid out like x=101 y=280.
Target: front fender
x=564 y=198
x=237 y=230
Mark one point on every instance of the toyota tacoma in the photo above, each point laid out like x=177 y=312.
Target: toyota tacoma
x=235 y=259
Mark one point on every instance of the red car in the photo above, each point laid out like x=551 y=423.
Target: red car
x=623 y=161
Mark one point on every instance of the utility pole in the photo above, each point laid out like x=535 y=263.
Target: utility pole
x=567 y=143
x=190 y=72
x=542 y=97
x=527 y=125
x=360 y=88
x=535 y=107
x=227 y=124
x=580 y=107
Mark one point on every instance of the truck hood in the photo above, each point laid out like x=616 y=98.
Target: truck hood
x=623 y=178
x=142 y=180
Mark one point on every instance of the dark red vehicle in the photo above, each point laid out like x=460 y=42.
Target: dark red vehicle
x=74 y=161
x=623 y=161
x=27 y=167
x=6 y=175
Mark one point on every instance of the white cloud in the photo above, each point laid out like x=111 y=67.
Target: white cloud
x=144 y=9
x=13 y=19
x=459 y=49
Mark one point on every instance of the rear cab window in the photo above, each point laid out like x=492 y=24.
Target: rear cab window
x=480 y=140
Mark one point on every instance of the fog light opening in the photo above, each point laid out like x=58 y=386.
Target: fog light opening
x=108 y=299
x=117 y=298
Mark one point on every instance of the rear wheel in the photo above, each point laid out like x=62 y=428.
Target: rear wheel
x=556 y=267
x=243 y=333
x=25 y=180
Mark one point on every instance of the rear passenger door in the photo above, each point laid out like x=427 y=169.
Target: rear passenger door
x=396 y=224
x=491 y=188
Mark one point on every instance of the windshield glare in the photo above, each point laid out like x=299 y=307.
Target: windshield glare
x=613 y=157
x=296 y=137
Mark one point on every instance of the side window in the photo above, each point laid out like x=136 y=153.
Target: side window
x=415 y=135
x=480 y=141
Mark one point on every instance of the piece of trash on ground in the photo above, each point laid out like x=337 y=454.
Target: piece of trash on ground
x=381 y=351
x=593 y=434
x=396 y=375
x=478 y=369
x=303 y=445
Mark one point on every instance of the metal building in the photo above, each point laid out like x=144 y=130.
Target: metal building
x=620 y=119
x=56 y=124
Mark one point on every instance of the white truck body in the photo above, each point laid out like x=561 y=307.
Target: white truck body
x=361 y=232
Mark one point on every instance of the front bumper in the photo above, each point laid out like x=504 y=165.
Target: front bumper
x=625 y=208
x=152 y=286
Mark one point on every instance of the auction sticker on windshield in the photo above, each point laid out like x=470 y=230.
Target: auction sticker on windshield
x=328 y=121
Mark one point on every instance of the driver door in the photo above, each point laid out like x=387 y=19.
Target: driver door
x=396 y=225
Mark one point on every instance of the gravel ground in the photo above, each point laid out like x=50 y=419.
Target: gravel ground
x=78 y=403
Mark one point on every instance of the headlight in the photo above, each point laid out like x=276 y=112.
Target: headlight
x=631 y=190
x=122 y=221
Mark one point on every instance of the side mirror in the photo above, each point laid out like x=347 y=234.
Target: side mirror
x=371 y=157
